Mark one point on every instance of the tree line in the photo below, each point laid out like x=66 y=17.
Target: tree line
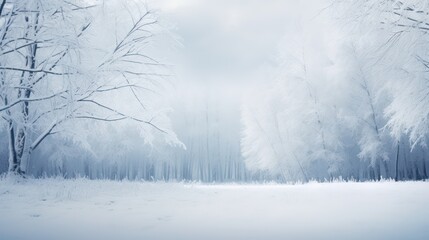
x=349 y=99
x=82 y=94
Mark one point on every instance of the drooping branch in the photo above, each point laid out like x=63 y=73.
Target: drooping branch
x=124 y=115
x=42 y=136
x=103 y=119
x=31 y=100
x=30 y=70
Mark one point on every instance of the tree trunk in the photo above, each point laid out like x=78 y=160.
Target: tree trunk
x=425 y=174
x=378 y=170
x=417 y=172
x=26 y=79
x=386 y=168
x=14 y=164
x=13 y=160
x=397 y=164
x=371 y=173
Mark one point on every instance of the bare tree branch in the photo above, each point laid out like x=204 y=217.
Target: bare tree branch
x=36 y=70
x=30 y=100
x=124 y=115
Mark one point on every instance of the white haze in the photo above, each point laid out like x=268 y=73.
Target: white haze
x=241 y=91
x=215 y=51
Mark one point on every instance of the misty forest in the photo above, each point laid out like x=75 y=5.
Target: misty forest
x=207 y=105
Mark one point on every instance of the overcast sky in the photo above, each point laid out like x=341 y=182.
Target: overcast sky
x=229 y=40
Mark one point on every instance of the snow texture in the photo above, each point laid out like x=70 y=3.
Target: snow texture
x=83 y=209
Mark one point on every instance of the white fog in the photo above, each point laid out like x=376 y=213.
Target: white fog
x=229 y=110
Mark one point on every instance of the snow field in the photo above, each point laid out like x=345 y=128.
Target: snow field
x=87 y=209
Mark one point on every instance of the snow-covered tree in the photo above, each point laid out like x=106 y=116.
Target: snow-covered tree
x=346 y=102
x=290 y=129
x=397 y=61
x=361 y=104
x=58 y=67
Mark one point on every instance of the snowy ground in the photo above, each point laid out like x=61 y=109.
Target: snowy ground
x=84 y=209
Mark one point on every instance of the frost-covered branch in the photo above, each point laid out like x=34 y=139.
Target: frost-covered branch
x=30 y=70
x=31 y=100
x=125 y=115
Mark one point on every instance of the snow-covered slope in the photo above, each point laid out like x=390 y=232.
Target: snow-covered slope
x=84 y=209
